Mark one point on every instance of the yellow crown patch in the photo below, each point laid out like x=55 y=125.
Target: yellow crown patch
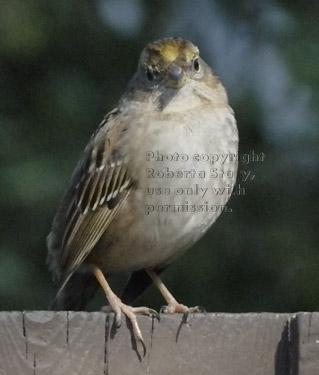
x=168 y=50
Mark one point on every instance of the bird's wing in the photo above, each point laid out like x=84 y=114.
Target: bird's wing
x=98 y=187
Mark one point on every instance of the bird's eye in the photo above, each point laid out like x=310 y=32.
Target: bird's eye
x=196 y=65
x=150 y=75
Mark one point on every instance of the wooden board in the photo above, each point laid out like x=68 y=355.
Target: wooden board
x=81 y=343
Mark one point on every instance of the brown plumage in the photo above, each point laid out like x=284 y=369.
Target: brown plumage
x=174 y=103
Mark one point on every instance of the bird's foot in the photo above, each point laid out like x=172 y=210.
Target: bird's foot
x=175 y=307
x=118 y=307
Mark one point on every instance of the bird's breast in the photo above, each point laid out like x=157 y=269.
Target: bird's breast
x=184 y=169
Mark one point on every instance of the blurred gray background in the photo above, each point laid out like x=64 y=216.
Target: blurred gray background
x=63 y=65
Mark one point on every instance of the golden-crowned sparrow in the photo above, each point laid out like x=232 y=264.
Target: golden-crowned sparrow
x=153 y=178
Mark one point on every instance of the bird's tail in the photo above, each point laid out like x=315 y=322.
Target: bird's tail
x=78 y=290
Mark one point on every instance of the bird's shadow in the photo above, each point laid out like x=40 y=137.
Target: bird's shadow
x=183 y=321
x=112 y=330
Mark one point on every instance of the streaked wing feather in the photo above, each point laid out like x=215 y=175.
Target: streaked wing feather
x=88 y=230
x=99 y=186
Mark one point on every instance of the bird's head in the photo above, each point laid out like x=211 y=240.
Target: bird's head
x=170 y=62
x=170 y=71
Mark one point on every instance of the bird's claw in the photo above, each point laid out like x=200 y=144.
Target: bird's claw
x=197 y=309
x=175 y=307
x=130 y=312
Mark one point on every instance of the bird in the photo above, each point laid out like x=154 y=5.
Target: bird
x=120 y=211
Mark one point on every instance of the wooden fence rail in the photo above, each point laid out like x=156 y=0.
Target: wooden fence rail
x=78 y=343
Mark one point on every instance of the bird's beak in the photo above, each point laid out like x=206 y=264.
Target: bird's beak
x=175 y=76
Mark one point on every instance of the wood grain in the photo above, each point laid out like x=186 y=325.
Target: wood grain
x=81 y=343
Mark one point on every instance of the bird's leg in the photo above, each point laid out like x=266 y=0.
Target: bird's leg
x=172 y=305
x=117 y=306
